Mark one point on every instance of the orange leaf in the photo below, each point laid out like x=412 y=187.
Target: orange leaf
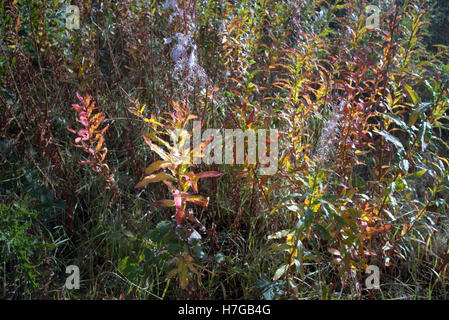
x=199 y=200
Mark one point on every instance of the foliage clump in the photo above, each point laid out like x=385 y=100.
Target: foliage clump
x=363 y=163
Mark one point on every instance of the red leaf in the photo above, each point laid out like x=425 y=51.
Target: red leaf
x=76 y=107
x=251 y=118
x=87 y=162
x=179 y=208
x=83 y=120
x=71 y=130
x=209 y=174
x=84 y=134
x=80 y=98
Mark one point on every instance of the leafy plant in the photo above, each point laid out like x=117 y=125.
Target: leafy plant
x=176 y=159
x=19 y=249
x=91 y=140
x=177 y=174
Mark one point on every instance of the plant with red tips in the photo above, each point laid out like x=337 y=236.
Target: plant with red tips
x=91 y=139
x=175 y=172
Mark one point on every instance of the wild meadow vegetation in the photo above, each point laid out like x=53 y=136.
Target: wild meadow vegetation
x=88 y=175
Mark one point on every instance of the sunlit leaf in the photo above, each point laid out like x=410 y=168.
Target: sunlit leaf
x=280 y=272
x=161 y=176
x=159 y=164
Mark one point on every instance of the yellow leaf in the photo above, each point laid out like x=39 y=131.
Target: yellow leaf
x=405 y=228
x=359 y=152
x=156 y=166
x=162 y=176
x=100 y=143
x=200 y=200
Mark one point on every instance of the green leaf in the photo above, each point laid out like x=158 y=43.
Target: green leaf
x=414 y=114
x=392 y=139
x=412 y=94
x=281 y=247
x=416 y=175
x=198 y=251
x=129 y=234
x=164 y=226
x=323 y=231
x=280 y=272
x=162 y=229
x=399 y=122
x=220 y=258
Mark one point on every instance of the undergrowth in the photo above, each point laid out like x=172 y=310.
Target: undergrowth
x=362 y=161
